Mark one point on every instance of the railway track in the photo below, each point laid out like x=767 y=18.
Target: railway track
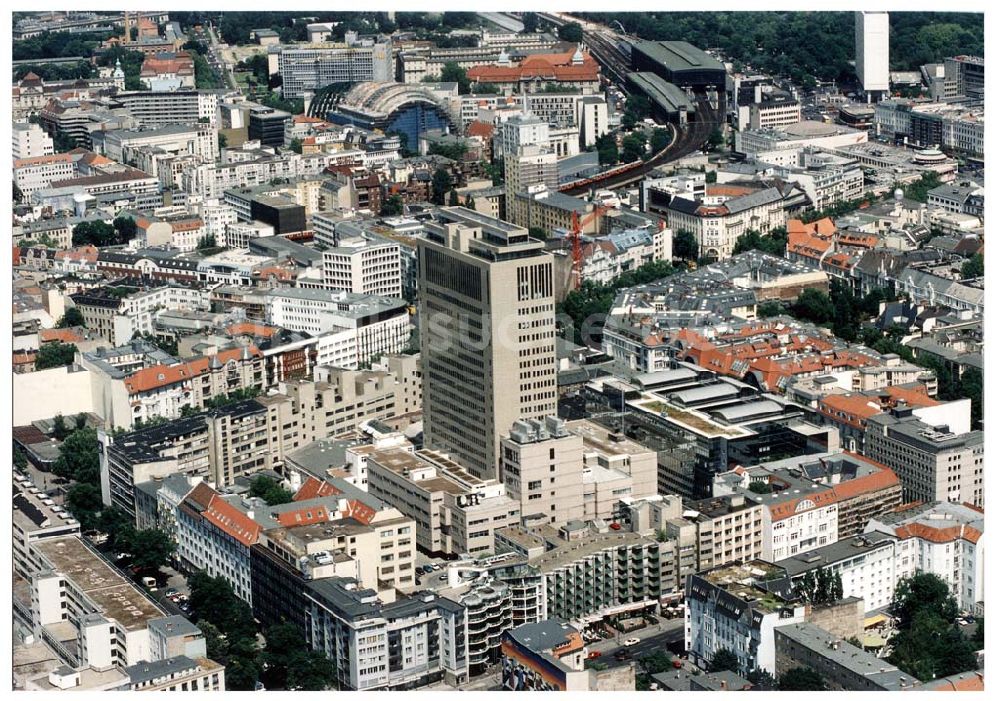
x=687 y=142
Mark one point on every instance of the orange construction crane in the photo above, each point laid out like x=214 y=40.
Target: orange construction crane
x=574 y=236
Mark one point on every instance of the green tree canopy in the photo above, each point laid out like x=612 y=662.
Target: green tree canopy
x=78 y=457
x=815 y=306
x=974 y=267
x=440 y=185
x=685 y=245
x=451 y=72
x=269 y=490
x=72 y=317
x=724 y=660
x=151 y=548
x=571 y=32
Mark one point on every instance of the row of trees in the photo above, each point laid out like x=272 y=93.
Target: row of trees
x=822 y=587
x=57 y=45
x=286 y=662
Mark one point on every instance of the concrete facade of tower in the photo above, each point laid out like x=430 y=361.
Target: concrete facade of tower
x=487 y=334
x=871 y=50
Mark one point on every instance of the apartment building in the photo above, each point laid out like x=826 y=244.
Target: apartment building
x=117 y=314
x=943 y=538
x=310 y=68
x=488 y=603
x=482 y=273
x=867 y=565
x=177 y=139
x=728 y=608
x=544 y=656
x=131 y=385
x=455 y=512
x=541 y=467
x=161 y=108
x=589 y=575
x=842 y=666
x=30 y=141
x=406 y=644
x=367 y=264
x=177 y=674
x=724 y=214
x=933 y=462
x=36 y=517
x=377 y=325
x=813 y=500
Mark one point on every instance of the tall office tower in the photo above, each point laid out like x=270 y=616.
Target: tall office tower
x=487 y=334
x=871 y=52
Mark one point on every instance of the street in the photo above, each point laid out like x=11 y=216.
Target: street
x=651 y=639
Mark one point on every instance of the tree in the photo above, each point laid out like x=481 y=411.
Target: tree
x=151 y=548
x=18 y=195
x=723 y=660
x=537 y=232
x=607 y=150
x=715 y=139
x=392 y=206
x=72 y=317
x=223 y=141
x=659 y=140
x=78 y=457
x=919 y=189
x=711 y=177
x=118 y=526
x=94 y=233
x=974 y=267
x=770 y=308
x=440 y=185
x=54 y=355
x=296 y=145
x=469 y=202
x=530 y=22
x=814 y=305
x=270 y=491
x=84 y=502
x=760 y=487
x=923 y=591
x=206 y=242
x=927 y=643
x=801 y=679
x=761 y=679
x=572 y=32
x=685 y=245
x=59 y=429
x=971 y=387
x=453 y=198
x=451 y=72
x=633 y=148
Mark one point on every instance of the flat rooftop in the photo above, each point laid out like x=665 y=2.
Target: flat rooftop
x=116 y=597
x=574 y=550
x=596 y=437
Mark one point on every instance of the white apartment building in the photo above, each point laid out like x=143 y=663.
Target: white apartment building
x=118 y=319
x=197 y=140
x=162 y=108
x=943 y=538
x=721 y=217
x=30 y=141
x=365 y=264
x=217 y=217
x=239 y=234
x=868 y=565
x=726 y=610
x=381 y=324
x=309 y=68
x=776 y=112
x=38 y=172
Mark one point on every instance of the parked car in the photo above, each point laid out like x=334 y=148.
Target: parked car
x=593 y=655
x=442 y=578
x=171 y=592
x=630 y=642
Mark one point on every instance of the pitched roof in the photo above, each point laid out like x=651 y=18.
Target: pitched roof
x=313 y=488
x=156 y=376
x=232 y=521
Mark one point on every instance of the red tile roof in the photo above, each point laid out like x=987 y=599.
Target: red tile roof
x=157 y=376
x=313 y=488
x=557 y=67
x=232 y=521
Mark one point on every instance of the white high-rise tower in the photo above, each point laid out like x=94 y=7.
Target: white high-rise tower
x=871 y=51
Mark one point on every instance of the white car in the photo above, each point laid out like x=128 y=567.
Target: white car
x=630 y=642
